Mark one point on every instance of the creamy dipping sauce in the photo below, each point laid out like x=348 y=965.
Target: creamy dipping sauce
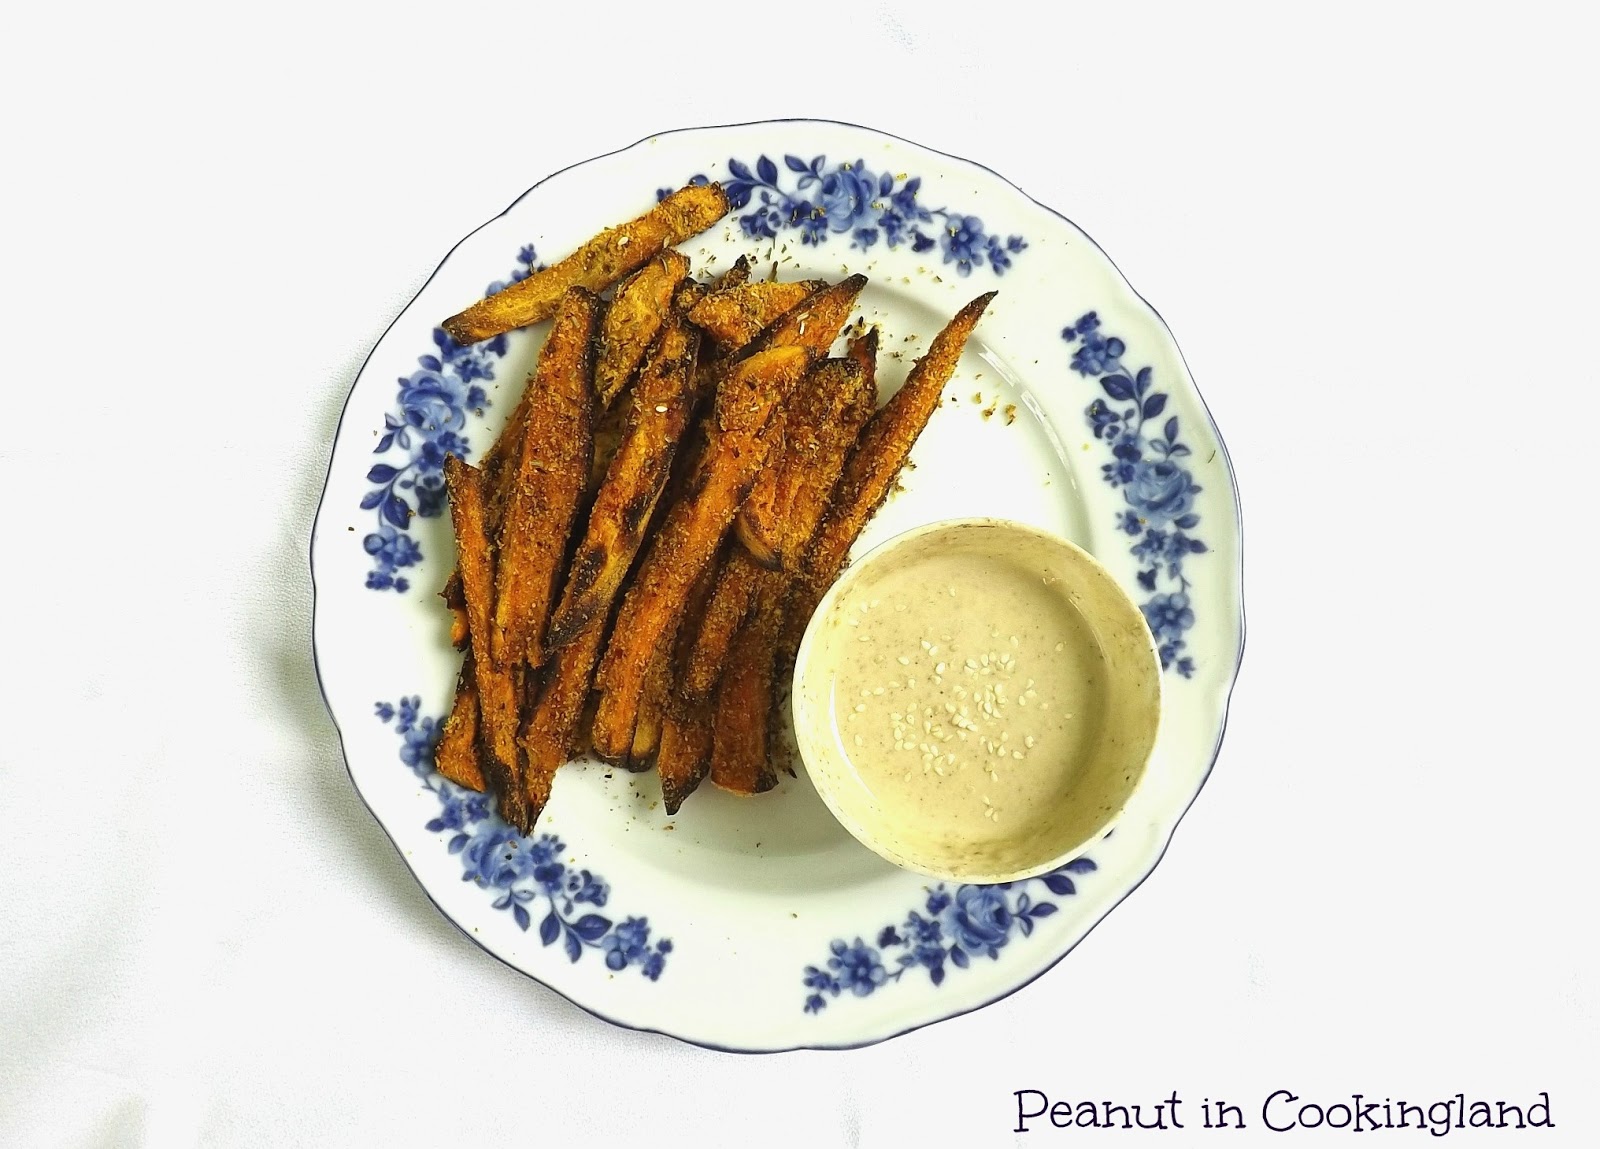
x=966 y=696
x=964 y=692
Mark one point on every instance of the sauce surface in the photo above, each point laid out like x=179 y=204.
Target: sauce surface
x=965 y=693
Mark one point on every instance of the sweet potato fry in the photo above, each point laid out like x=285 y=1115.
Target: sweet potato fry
x=657 y=698
x=765 y=524
x=814 y=322
x=658 y=417
x=456 y=754
x=632 y=320
x=598 y=264
x=684 y=759
x=652 y=707
x=690 y=534
x=826 y=416
x=736 y=315
x=739 y=760
x=497 y=689
x=870 y=471
x=551 y=475
x=549 y=735
x=738 y=272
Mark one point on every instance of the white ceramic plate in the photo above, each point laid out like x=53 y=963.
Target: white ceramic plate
x=760 y=924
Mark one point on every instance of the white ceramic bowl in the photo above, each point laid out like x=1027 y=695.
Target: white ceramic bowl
x=1054 y=809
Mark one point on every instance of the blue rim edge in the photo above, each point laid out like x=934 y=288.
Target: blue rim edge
x=1226 y=702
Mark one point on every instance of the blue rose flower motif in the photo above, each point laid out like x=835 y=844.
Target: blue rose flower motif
x=905 y=201
x=1160 y=491
x=813 y=227
x=582 y=886
x=845 y=196
x=497 y=857
x=963 y=242
x=1103 y=420
x=433 y=402
x=416 y=751
x=893 y=227
x=391 y=548
x=627 y=943
x=460 y=809
x=979 y=920
x=859 y=969
x=1098 y=356
x=1169 y=615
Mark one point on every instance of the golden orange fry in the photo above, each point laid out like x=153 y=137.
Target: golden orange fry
x=595 y=266
x=632 y=320
x=455 y=756
x=690 y=534
x=551 y=475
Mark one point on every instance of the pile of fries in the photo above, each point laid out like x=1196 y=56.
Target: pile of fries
x=640 y=551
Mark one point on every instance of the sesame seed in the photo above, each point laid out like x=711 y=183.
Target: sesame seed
x=903 y=660
x=1060 y=646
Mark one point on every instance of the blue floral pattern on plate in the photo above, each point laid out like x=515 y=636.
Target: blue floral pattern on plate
x=1160 y=492
x=522 y=872
x=428 y=423
x=848 y=198
x=973 y=922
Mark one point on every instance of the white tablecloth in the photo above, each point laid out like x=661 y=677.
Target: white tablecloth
x=1371 y=235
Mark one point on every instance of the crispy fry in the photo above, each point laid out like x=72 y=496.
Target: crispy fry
x=689 y=536
x=766 y=525
x=684 y=759
x=827 y=414
x=551 y=731
x=456 y=602
x=871 y=469
x=734 y=316
x=551 y=475
x=814 y=322
x=657 y=419
x=632 y=320
x=456 y=755
x=598 y=264
x=496 y=687
x=652 y=707
x=739 y=759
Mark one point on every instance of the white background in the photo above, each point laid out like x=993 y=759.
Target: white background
x=1371 y=230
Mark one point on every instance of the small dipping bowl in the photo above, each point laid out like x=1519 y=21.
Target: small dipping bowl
x=976 y=700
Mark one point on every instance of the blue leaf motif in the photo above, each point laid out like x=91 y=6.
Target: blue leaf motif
x=397 y=511
x=574 y=947
x=1118 y=386
x=1081 y=866
x=767 y=170
x=372 y=499
x=381 y=473
x=740 y=171
x=431 y=362
x=1060 y=884
x=959 y=957
x=1171 y=429
x=1043 y=910
x=591 y=927
x=550 y=928
x=1154 y=405
x=794 y=163
x=457 y=844
x=521 y=916
x=384 y=444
